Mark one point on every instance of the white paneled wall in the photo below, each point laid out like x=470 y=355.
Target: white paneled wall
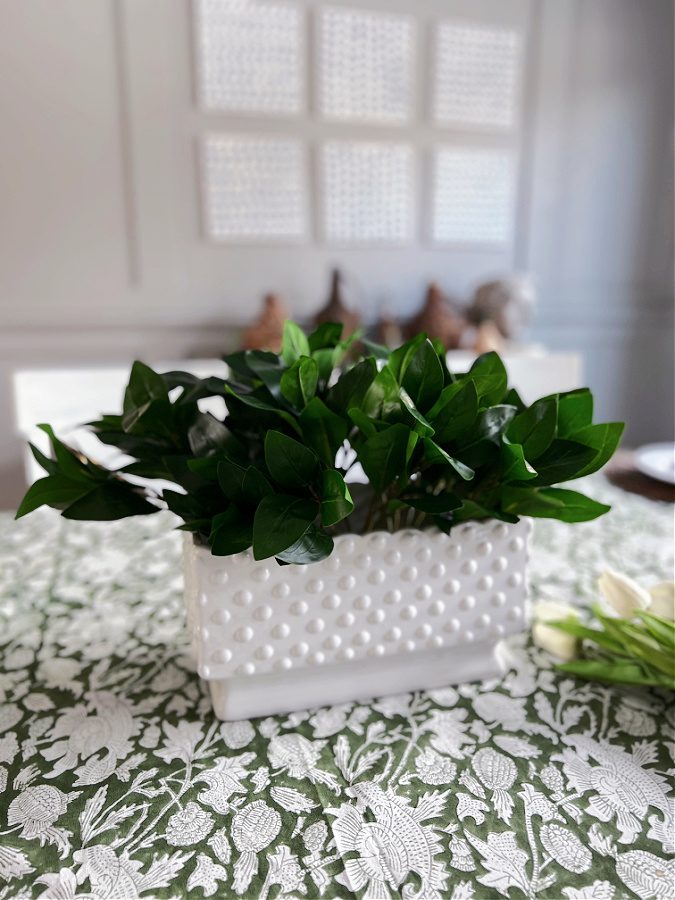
x=165 y=162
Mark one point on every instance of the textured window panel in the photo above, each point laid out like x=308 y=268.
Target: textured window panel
x=366 y=65
x=473 y=196
x=477 y=75
x=254 y=188
x=368 y=192
x=250 y=56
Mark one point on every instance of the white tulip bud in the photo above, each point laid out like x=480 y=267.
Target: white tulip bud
x=554 y=641
x=663 y=600
x=624 y=595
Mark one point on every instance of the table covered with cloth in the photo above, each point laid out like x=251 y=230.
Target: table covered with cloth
x=117 y=781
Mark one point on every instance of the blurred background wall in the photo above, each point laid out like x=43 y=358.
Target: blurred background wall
x=103 y=255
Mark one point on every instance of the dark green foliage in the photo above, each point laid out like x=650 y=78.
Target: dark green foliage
x=437 y=447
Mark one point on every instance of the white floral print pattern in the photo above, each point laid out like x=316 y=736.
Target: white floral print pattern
x=116 y=781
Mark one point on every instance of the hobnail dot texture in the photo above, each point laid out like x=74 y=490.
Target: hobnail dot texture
x=250 y=56
x=368 y=191
x=254 y=188
x=377 y=595
x=477 y=75
x=366 y=65
x=473 y=195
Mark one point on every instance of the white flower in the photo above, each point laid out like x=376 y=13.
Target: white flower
x=37 y=702
x=237 y=734
x=635 y=721
x=20 y=658
x=663 y=600
x=36 y=809
x=60 y=673
x=9 y=716
x=188 y=826
x=447 y=696
x=432 y=768
x=560 y=644
x=9 y=747
x=624 y=595
x=329 y=720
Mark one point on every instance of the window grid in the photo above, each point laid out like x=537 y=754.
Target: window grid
x=260 y=186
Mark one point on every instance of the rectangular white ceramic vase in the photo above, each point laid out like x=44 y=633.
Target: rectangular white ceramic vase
x=384 y=613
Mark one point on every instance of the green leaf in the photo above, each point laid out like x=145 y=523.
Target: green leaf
x=575 y=411
x=207 y=434
x=268 y=368
x=313 y=546
x=489 y=377
x=281 y=520
x=513 y=398
x=336 y=501
x=535 y=428
x=69 y=464
x=529 y=501
x=419 y=423
x=49 y=465
x=352 y=385
x=327 y=335
x=294 y=343
x=146 y=401
x=290 y=463
x=230 y=533
x=662 y=629
x=254 y=487
x=551 y=503
x=231 y=479
x=383 y=456
x=113 y=500
x=323 y=430
x=514 y=465
x=400 y=359
x=611 y=672
x=471 y=510
x=56 y=491
x=364 y=423
x=492 y=422
x=455 y=411
x=434 y=504
x=383 y=397
x=604 y=439
x=326 y=361
x=298 y=384
x=438 y=456
x=423 y=376
x=599 y=637
x=563 y=461
x=264 y=406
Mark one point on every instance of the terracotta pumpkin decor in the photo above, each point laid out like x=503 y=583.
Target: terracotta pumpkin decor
x=437 y=319
x=266 y=333
x=336 y=310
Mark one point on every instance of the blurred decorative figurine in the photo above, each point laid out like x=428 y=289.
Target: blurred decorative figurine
x=508 y=302
x=336 y=310
x=266 y=333
x=438 y=319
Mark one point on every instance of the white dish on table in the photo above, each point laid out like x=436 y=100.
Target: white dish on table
x=657 y=461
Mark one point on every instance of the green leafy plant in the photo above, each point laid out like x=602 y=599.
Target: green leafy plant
x=437 y=447
x=638 y=650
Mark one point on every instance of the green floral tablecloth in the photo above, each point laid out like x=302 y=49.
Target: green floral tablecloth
x=117 y=781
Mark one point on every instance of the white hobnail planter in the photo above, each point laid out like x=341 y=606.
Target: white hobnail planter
x=385 y=613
